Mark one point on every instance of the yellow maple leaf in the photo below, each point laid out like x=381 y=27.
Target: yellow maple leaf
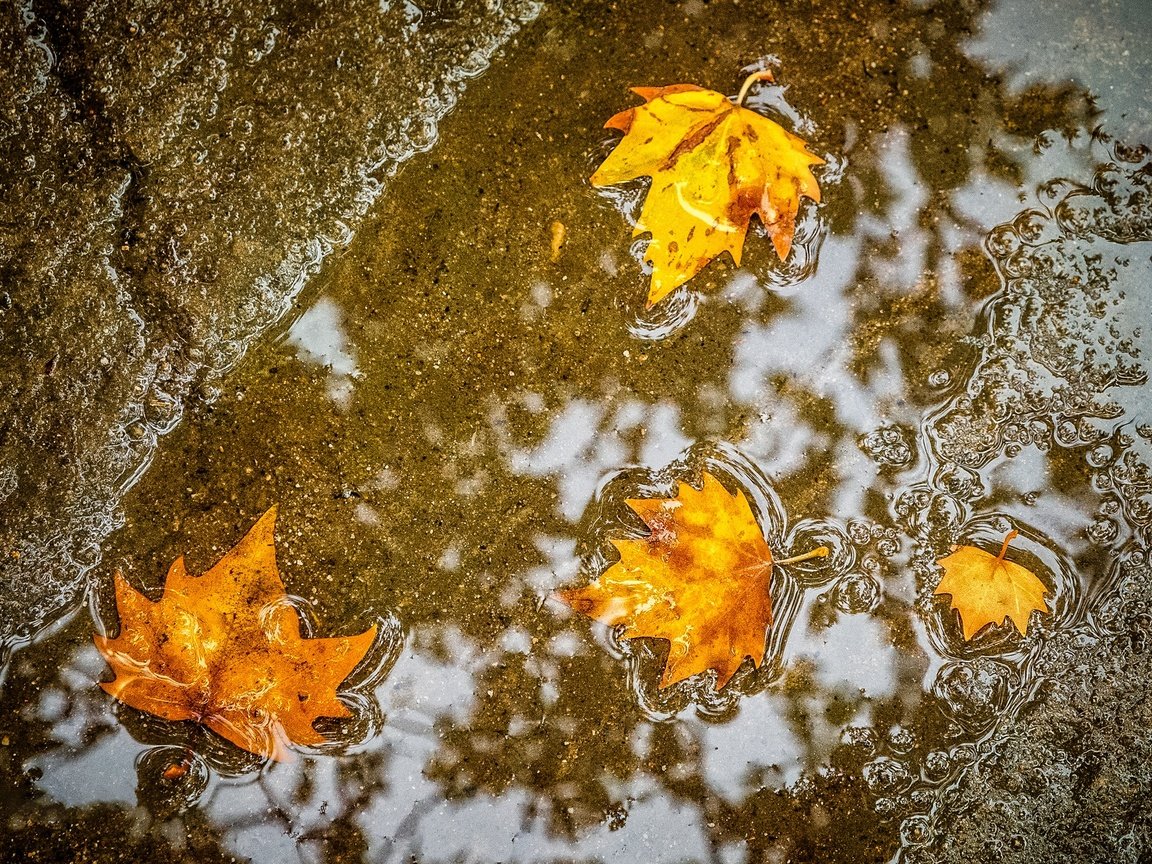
x=699 y=579
x=224 y=649
x=987 y=589
x=714 y=164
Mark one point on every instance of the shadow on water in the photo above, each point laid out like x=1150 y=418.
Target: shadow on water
x=452 y=424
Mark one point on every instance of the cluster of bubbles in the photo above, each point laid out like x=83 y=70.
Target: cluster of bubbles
x=858 y=588
x=902 y=774
x=1063 y=332
x=888 y=447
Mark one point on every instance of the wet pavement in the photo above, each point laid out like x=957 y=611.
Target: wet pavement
x=451 y=421
x=173 y=176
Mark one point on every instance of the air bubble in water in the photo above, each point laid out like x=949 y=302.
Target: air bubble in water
x=936 y=765
x=859 y=533
x=888 y=446
x=1003 y=241
x=1140 y=510
x=861 y=738
x=1018 y=264
x=964 y=754
x=1099 y=456
x=856 y=593
x=1066 y=433
x=888 y=546
x=973 y=692
x=915 y=831
x=1031 y=226
x=901 y=739
x=1103 y=530
x=921 y=800
x=940 y=378
x=886 y=775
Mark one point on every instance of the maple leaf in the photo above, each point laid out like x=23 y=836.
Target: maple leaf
x=714 y=164
x=987 y=589
x=699 y=579
x=224 y=649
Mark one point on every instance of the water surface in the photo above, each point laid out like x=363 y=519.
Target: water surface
x=451 y=421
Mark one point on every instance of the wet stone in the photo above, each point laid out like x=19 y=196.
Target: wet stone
x=173 y=174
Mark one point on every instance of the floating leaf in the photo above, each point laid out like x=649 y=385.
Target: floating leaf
x=714 y=165
x=699 y=579
x=224 y=649
x=987 y=589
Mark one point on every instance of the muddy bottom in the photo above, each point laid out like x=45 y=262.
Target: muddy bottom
x=456 y=412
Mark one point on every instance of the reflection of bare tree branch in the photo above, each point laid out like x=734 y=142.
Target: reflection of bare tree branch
x=407 y=831
x=565 y=751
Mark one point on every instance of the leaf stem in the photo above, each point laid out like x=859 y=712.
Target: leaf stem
x=762 y=75
x=818 y=552
x=1004 y=549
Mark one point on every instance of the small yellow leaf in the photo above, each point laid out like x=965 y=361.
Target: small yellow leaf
x=714 y=164
x=987 y=589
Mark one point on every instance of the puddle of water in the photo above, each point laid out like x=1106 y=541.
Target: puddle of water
x=452 y=426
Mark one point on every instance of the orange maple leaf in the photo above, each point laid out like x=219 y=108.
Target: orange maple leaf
x=224 y=649
x=699 y=579
x=987 y=589
x=714 y=164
